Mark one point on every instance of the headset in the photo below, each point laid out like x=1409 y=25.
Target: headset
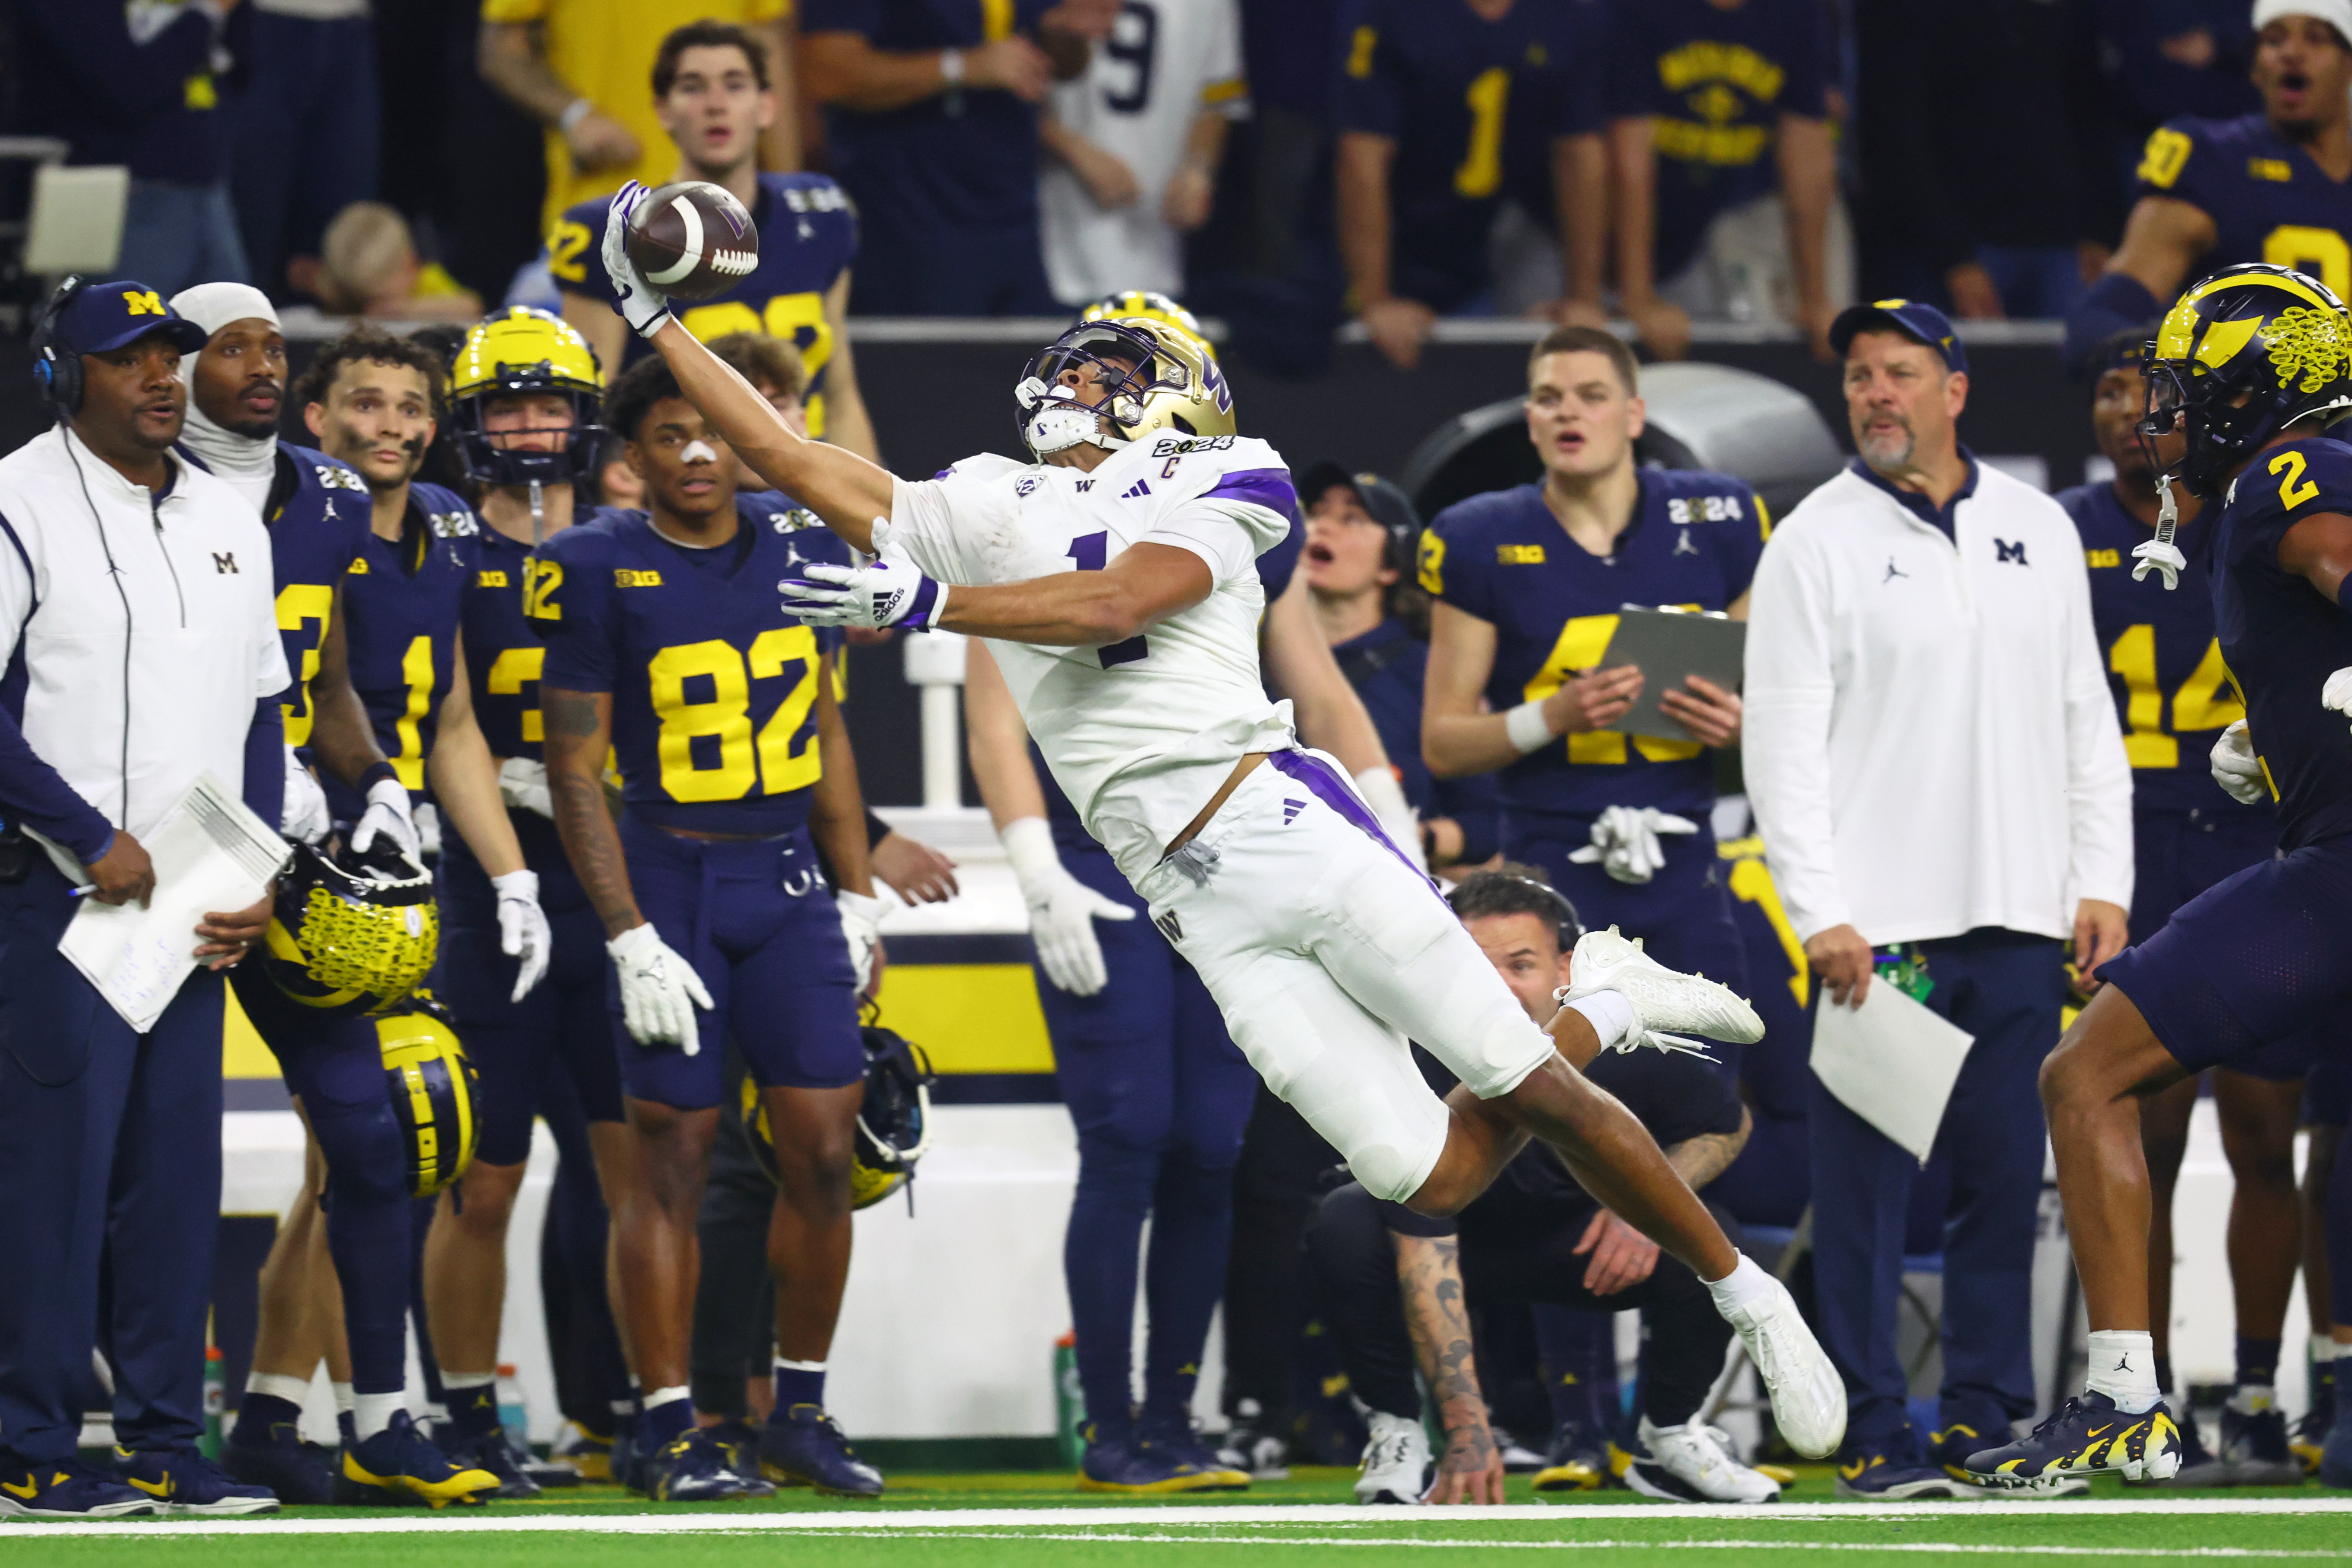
x=1571 y=924
x=59 y=375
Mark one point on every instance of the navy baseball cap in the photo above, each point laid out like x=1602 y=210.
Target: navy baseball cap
x=1922 y=324
x=103 y=317
x=1388 y=504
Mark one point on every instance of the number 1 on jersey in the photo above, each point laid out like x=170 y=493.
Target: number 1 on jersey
x=1091 y=552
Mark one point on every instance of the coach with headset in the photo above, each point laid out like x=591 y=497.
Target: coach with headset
x=136 y=612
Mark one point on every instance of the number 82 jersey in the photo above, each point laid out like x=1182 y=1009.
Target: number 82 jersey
x=714 y=688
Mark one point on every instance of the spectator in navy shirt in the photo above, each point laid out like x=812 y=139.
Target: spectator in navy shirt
x=932 y=118
x=142 y=86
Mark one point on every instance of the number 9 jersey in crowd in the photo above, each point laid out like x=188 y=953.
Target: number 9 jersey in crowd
x=2266 y=198
x=1503 y=557
x=714 y=723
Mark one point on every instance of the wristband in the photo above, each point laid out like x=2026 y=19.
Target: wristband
x=377 y=773
x=1528 y=728
x=951 y=67
x=877 y=830
x=578 y=110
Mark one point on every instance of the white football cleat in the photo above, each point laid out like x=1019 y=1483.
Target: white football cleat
x=1691 y=1463
x=1398 y=1467
x=1808 y=1394
x=1663 y=999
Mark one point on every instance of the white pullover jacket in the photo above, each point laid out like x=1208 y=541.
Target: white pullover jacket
x=1930 y=745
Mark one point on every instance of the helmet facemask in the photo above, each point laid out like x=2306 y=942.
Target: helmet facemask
x=1054 y=417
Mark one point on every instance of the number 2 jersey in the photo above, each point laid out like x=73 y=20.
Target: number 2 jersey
x=714 y=688
x=2269 y=201
x=1503 y=557
x=1139 y=734
x=2282 y=638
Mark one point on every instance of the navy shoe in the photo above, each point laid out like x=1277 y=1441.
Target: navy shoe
x=627 y=1462
x=1578 y=1460
x=492 y=1452
x=694 y=1469
x=2335 y=1458
x=741 y=1441
x=1898 y=1479
x=1173 y=1437
x=68 y=1488
x=802 y=1447
x=1122 y=1462
x=402 y=1461
x=294 y=1471
x=1951 y=1448
x=185 y=1481
x=2087 y=1436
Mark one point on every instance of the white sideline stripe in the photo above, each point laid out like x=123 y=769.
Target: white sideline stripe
x=1166 y=1517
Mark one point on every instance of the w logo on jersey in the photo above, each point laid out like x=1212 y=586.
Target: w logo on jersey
x=1212 y=385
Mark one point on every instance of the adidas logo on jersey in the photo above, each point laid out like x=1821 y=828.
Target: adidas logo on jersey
x=1290 y=810
x=1135 y=490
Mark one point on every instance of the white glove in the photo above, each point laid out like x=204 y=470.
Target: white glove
x=637 y=302
x=656 y=986
x=387 y=816
x=890 y=592
x=1397 y=817
x=2236 y=768
x=2337 y=693
x=305 y=817
x=522 y=784
x=1062 y=909
x=1626 y=841
x=523 y=932
x=429 y=829
x=861 y=923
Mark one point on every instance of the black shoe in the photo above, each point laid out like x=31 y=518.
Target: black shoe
x=1949 y=1450
x=802 y=1447
x=2088 y=1435
x=694 y=1469
x=740 y=1440
x=1174 y=1437
x=491 y=1451
x=298 y=1472
x=1259 y=1453
x=70 y=1489
x=402 y=1460
x=1578 y=1460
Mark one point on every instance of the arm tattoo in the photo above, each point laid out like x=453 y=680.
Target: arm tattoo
x=577 y=734
x=1429 y=1272
x=1700 y=1160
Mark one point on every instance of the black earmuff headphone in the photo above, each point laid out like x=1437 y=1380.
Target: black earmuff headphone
x=58 y=373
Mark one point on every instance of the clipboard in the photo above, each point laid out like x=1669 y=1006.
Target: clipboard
x=1668 y=645
x=1890 y=1062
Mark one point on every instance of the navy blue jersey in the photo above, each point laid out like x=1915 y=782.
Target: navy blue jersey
x=400 y=603
x=503 y=654
x=2172 y=691
x=1466 y=100
x=2269 y=201
x=1504 y=557
x=317 y=512
x=1386 y=666
x=2282 y=639
x=714 y=688
x=808 y=237
x=963 y=159
x=1275 y=567
x=1715 y=83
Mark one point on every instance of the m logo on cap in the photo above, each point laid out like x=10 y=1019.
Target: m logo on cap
x=143 y=303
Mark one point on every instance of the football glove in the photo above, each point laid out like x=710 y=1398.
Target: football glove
x=634 y=300
x=1395 y=815
x=388 y=816
x=2337 y=694
x=2236 y=768
x=305 y=818
x=522 y=784
x=523 y=933
x=890 y=592
x=428 y=830
x=1062 y=909
x=861 y=923
x=659 y=989
x=1626 y=841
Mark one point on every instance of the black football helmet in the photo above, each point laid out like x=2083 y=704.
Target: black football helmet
x=894 y=1122
x=2244 y=355
x=350 y=934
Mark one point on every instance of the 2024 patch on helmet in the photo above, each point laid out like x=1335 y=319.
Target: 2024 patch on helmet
x=352 y=933
x=894 y=1121
x=2244 y=355
x=433 y=1088
x=516 y=353
x=1158 y=376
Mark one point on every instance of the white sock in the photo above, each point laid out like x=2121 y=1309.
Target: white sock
x=372 y=1413
x=1747 y=1283
x=1611 y=1015
x=800 y=1365
x=2123 y=1367
x=468 y=1379
x=280 y=1386
x=343 y=1397
x=2323 y=1348
x=661 y=1396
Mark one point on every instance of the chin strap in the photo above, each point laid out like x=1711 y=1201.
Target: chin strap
x=538 y=514
x=2160 y=555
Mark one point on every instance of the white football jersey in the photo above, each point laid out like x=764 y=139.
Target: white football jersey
x=1165 y=63
x=1141 y=733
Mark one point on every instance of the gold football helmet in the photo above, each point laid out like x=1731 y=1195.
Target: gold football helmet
x=516 y=353
x=432 y=1088
x=1156 y=376
x=2242 y=356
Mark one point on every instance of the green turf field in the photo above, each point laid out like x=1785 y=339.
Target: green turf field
x=1030 y=1520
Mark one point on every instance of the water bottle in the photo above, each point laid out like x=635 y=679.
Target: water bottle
x=513 y=1414
x=1070 y=1402
x=209 y=1445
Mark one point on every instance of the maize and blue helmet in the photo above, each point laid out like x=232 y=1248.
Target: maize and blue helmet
x=350 y=934
x=432 y=1088
x=2245 y=353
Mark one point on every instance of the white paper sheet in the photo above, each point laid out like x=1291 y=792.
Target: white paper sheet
x=210 y=853
x=1890 y=1062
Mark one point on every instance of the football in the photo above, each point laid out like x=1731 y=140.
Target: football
x=693 y=240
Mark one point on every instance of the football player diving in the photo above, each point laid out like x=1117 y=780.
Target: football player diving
x=373 y=399
x=1116 y=581
x=2248 y=370
x=665 y=646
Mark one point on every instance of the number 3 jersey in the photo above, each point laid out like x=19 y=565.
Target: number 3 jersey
x=1503 y=557
x=1139 y=734
x=714 y=688
x=2281 y=636
x=318 y=510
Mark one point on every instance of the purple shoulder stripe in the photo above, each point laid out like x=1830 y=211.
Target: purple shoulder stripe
x=1268 y=488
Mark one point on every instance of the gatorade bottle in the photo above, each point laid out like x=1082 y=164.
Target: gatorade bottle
x=513 y=1414
x=1069 y=1402
x=209 y=1445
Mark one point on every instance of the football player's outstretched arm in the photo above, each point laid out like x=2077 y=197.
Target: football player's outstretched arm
x=579 y=729
x=464 y=779
x=847 y=490
x=1144 y=583
x=341 y=739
